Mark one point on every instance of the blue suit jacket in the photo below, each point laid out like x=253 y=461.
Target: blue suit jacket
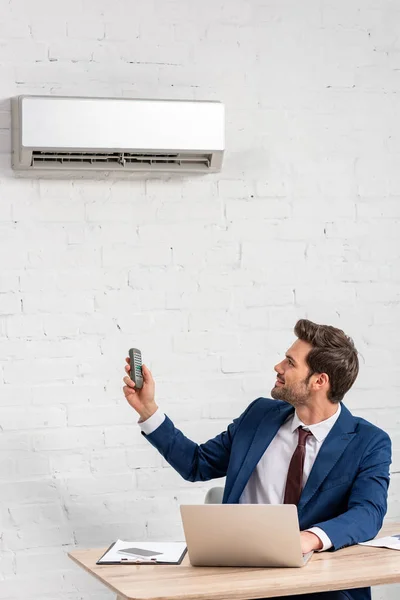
x=346 y=491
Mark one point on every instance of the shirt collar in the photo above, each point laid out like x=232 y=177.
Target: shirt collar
x=319 y=430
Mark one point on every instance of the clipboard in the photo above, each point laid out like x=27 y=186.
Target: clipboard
x=165 y=553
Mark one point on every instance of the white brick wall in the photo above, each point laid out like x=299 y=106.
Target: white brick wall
x=302 y=222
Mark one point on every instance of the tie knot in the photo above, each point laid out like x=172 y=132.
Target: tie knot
x=303 y=435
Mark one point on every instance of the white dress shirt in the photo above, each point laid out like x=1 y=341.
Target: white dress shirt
x=268 y=481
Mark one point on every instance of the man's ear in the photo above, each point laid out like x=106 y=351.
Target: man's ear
x=322 y=380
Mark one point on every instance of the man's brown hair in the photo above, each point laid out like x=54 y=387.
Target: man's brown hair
x=333 y=353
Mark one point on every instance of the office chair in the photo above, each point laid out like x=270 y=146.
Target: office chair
x=214 y=495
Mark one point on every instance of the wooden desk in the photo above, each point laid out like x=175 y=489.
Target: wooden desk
x=357 y=566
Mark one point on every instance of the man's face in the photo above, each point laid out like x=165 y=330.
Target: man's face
x=292 y=384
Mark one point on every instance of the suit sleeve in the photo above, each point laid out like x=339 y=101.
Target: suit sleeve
x=195 y=462
x=367 y=504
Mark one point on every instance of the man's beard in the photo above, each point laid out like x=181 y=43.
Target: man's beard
x=297 y=395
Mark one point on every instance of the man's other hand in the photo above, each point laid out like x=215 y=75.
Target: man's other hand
x=309 y=542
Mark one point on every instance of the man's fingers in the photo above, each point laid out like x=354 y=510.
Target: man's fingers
x=147 y=376
x=127 y=368
x=129 y=382
x=128 y=391
x=128 y=360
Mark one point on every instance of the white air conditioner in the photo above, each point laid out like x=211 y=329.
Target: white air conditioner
x=110 y=134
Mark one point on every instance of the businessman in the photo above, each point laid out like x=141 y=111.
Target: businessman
x=304 y=447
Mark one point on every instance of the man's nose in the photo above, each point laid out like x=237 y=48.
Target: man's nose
x=278 y=368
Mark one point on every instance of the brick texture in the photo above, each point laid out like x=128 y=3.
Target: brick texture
x=207 y=275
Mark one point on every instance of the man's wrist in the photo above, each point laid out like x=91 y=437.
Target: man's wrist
x=317 y=542
x=147 y=413
x=325 y=539
x=152 y=423
x=310 y=542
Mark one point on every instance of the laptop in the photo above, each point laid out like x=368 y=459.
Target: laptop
x=243 y=535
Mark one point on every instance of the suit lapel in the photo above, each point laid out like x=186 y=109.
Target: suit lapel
x=331 y=450
x=263 y=436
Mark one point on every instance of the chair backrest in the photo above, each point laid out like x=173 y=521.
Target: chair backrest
x=214 y=495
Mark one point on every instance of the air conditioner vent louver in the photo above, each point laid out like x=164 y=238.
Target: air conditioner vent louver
x=118 y=159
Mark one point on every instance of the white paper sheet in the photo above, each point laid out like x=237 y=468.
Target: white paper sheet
x=390 y=541
x=170 y=552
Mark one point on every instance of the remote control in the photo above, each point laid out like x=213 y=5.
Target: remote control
x=136 y=367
